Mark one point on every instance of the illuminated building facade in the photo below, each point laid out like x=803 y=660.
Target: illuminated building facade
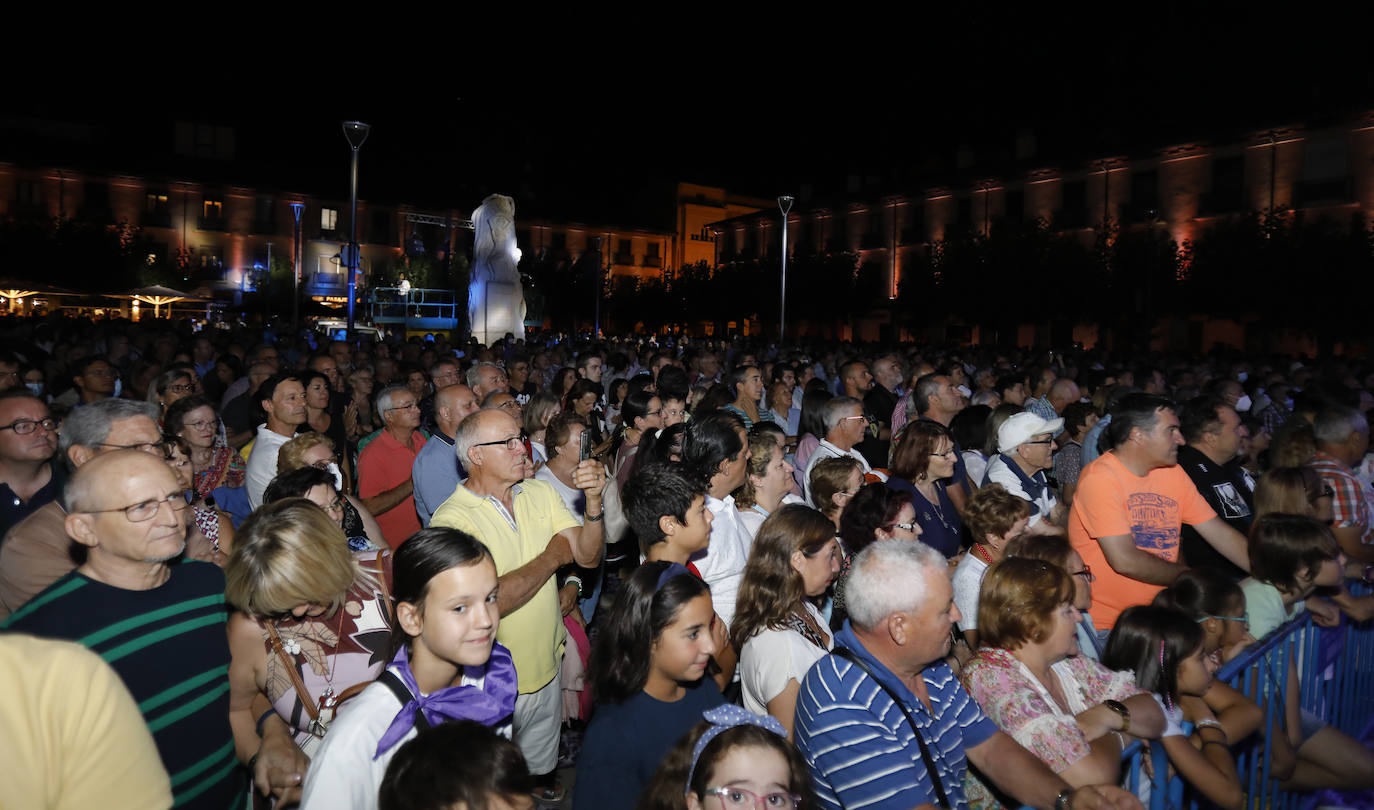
x=1182 y=188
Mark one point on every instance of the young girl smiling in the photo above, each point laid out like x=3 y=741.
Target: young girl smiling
x=447 y=666
x=647 y=672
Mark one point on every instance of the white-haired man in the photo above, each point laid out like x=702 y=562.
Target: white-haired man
x=1025 y=451
x=861 y=744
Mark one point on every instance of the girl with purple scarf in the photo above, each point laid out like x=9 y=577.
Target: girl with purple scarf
x=447 y=666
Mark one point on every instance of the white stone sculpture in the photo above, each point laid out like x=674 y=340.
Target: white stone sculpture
x=496 y=301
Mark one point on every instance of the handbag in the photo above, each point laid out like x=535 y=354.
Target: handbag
x=322 y=712
x=942 y=800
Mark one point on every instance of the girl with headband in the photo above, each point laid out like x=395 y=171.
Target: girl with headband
x=647 y=672
x=446 y=666
x=734 y=759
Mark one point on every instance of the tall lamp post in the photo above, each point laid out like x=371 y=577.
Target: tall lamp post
x=785 y=204
x=296 y=260
x=356 y=133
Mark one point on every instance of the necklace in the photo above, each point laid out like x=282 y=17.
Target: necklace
x=982 y=553
x=934 y=502
x=328 y=699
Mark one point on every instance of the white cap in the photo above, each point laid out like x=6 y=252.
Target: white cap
x=1022 y=427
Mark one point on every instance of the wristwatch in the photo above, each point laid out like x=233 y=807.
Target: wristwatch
x=1121 y=710
x=1062 y=801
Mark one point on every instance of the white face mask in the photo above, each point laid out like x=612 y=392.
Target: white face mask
x=119 y=386
x=36 y=388
x=1243 y=404
x=1242 y=376
x=333 y=469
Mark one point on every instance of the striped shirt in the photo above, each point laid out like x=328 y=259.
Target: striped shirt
x=1351 y=501
x=169 y=647
x=861 y=750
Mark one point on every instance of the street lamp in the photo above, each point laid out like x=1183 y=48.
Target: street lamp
x=296 y=209
x=785 y=204
x=356 y=133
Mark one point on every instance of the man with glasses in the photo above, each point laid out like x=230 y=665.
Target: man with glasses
x=442 y=374
x=1211 y=429
x=521 y=387
x=28 y=445
x=384 y=466
x=37 y=551
x=845 y=426
x=157 y=619
x=282 y=398
x=94 y=379
x=1342 y=435
x=531 y=534
x=437 y=470
x=1025 y=451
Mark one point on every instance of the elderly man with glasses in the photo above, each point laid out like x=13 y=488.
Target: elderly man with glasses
x=37 y=551
x=531 y=534
x=29 y=478
x=845 y=426
x=1025 y=452
x=157 y=619
x=384 y=465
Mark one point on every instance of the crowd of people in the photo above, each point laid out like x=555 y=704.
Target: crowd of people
x=417 y=573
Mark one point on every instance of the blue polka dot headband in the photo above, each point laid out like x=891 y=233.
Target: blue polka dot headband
x=724 y=718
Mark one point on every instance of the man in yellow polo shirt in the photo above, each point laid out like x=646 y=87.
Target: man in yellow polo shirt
x=531 y=535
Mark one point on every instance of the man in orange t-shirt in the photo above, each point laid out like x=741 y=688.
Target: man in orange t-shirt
x=1130 y=508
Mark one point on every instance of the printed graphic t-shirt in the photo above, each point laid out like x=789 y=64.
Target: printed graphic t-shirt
x=1111 y=500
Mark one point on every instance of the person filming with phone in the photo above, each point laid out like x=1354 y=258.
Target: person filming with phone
x=531 y=534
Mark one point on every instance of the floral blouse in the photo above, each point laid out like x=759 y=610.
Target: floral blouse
x=1023 y=708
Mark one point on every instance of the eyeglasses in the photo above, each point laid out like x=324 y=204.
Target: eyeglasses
x=1086 y=573
x=1040 y=441
x=23 y=427
x=516 y=442
x=1245 y=620
x=945 y=454
x=323 y=464
x=404 y=407
x=867 y=419
x=1327 y=492
x=144 y=511
x=335 y=505
x=739 y=797
x=200 y=425
x=512 y=405
x=181 y=388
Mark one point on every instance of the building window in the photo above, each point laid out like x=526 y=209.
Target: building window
x=212 y=209
x=155 y=203
x=329 y=219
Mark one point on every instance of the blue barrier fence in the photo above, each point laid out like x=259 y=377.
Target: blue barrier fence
x=1335 y=669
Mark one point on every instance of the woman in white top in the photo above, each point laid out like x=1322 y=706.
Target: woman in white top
x=994 y=518
x=768 y=483
x=794 y=559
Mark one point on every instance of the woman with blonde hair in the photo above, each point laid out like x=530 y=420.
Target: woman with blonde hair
x=767 y=481
x=833 y=482
x=1294 y=491
x=794 y=559
x=317 y=450
x=313 y=621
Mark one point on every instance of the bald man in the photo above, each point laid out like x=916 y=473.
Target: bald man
x=156 y=617
x=437 y=471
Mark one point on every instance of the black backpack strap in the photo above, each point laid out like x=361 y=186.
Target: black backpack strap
x=942 y=800
x=393 y=682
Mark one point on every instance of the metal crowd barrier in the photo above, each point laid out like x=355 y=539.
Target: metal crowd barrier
x=1336 y=676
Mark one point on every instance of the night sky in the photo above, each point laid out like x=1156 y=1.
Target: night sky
x=602 y=139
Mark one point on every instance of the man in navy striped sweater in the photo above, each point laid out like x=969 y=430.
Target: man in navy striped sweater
x=156 y=618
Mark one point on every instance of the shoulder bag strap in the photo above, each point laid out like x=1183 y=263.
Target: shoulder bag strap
x=289 y=661
x=942 y=800
x=402 y=693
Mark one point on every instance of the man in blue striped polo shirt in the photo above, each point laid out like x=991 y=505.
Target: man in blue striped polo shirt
x=861 y=747
x=154 y=617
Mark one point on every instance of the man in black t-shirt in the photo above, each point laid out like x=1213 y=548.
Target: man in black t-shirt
x=1211 y=429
